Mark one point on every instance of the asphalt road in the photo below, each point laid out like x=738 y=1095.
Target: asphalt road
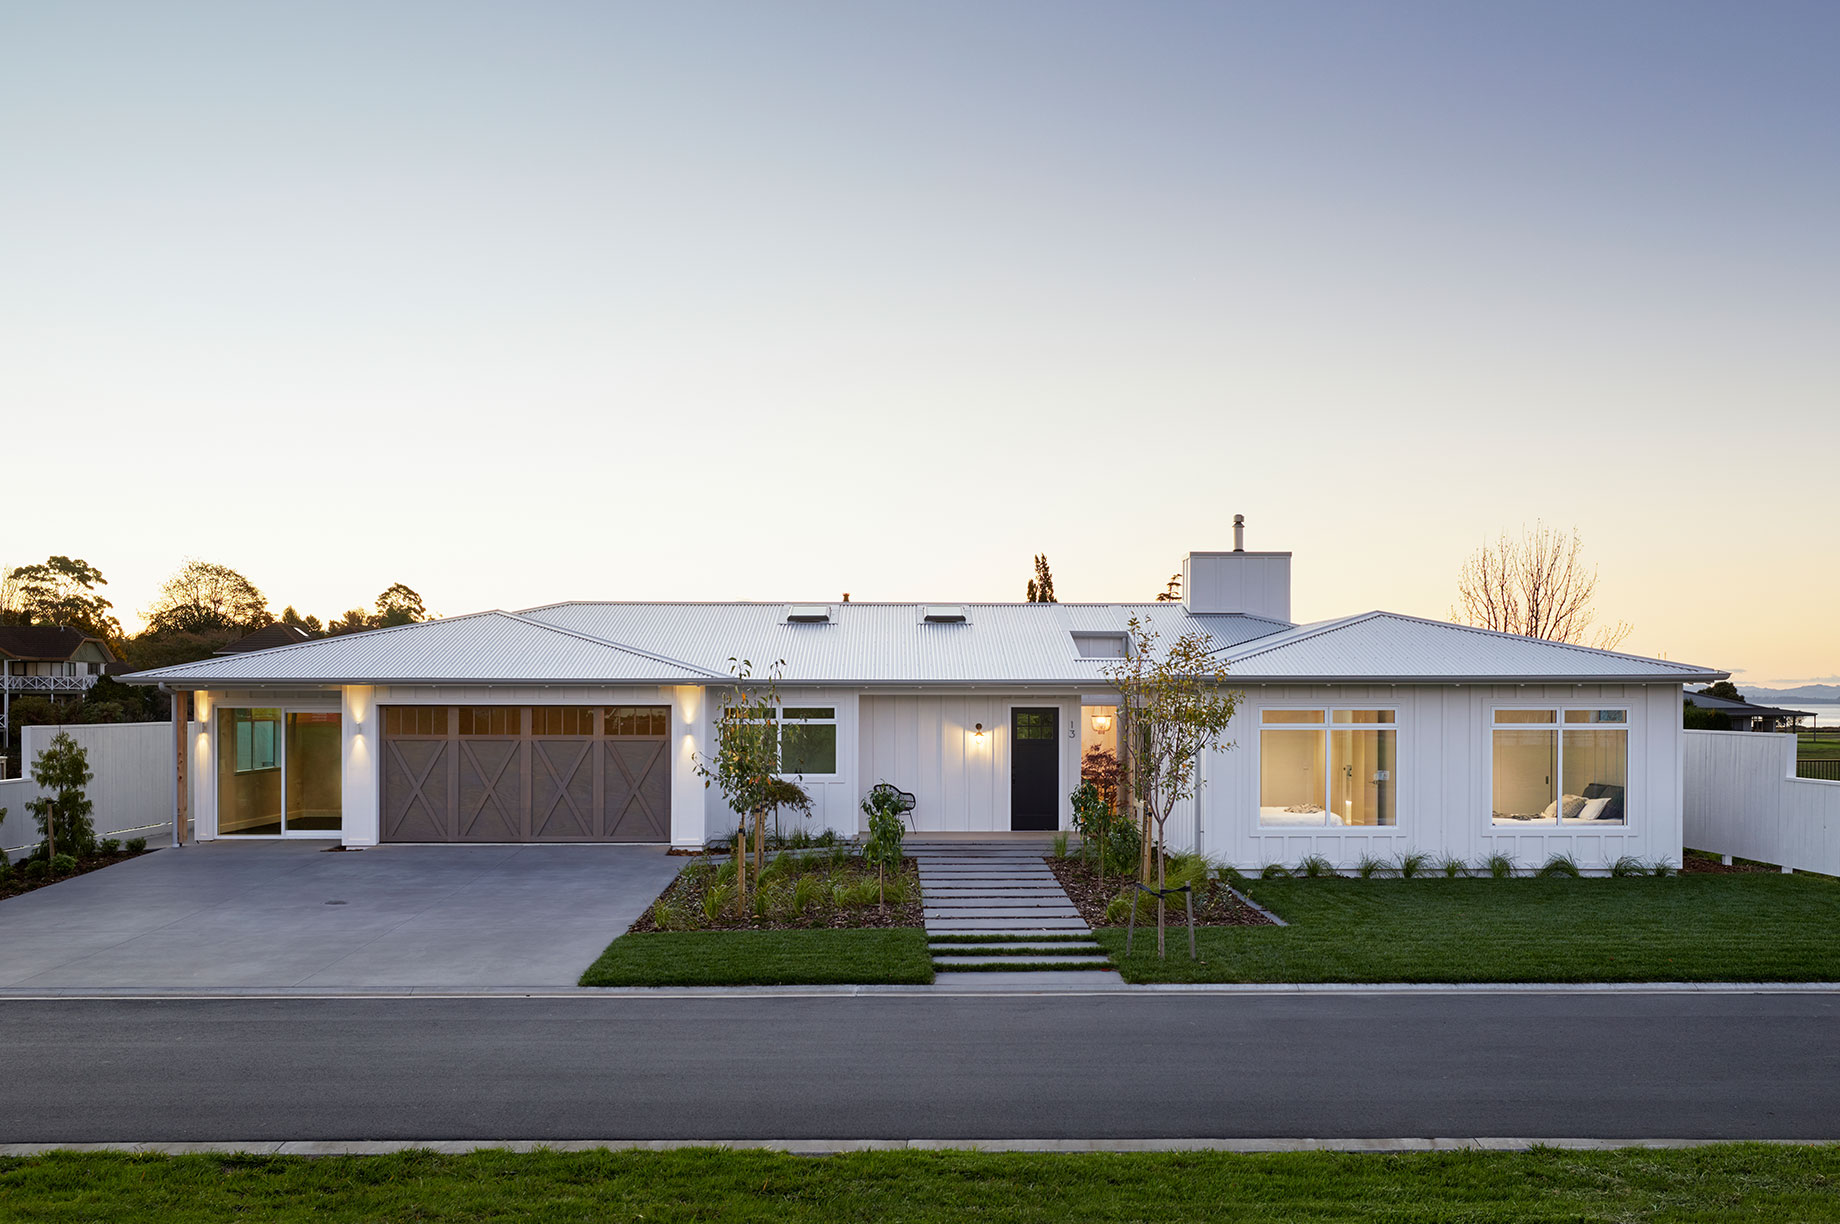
x=902 y=1067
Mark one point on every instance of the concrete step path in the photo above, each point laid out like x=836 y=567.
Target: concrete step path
x=1001 y=889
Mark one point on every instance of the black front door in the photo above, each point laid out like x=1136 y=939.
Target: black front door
x=1034 y=768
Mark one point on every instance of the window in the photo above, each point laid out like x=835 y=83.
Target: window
x=1100 y=645
x=415 y=720
x=1556 y=767
x=651 y=722
x=491 y=720
x=808 y=740
x=278 y=772
x=562 y=720
x=254 y=735
x=1324 y=768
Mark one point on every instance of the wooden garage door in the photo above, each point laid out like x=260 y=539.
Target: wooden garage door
x=526 y=773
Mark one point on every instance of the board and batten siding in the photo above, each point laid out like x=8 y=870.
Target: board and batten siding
x=1744 y=799
x=835 y=798
x=927 y=744
x=1443 y=779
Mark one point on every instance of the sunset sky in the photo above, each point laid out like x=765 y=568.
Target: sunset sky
x=525 y=302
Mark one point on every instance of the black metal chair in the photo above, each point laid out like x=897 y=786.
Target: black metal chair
x=904 y=800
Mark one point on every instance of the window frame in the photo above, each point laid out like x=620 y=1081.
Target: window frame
x=1327 y=726
x=214 y=729
x=1558 y=726
x=776 y=716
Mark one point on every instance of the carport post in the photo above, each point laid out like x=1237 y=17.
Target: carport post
x=181 y=703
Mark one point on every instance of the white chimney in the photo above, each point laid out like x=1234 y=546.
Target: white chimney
x=1255 y=583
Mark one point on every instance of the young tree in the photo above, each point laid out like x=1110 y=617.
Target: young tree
x=746 y=761
x=1175 y=705
x=1536 y=585
x=59 y=591
x=1041 y=586
x=205 y=597
x=62 y=770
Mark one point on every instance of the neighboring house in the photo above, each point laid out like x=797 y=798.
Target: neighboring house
x=266 y=638
x=1748 y=716
x=1369 y=735
x=47 y=661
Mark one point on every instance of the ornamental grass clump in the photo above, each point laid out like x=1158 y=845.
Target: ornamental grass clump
x=1559 y=866
x=1316 y=867
x=1499 y=866
x=1453 y=867
x=1413 y=865
x=1369 y=867
x=1628 y=866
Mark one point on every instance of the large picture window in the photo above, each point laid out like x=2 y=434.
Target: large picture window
x=807 y=738
x=1326 y=768
x=278 y=771
x=1554 y=767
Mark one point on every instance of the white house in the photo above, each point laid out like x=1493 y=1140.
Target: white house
x=1374 y=734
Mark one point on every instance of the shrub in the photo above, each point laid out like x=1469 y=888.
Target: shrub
x=1413 y=865
x=109 y=845
x=63 y=864
x=1124 y=844
x=1369 y=867
x=1453 y=868
x=34 y=869
x=1628 y=865
x=137 y=844
x=1315 y=867
x=1499 y=866
x=1559 y=865
x=1117 y=910
x=887 y=831
x=1274 y=871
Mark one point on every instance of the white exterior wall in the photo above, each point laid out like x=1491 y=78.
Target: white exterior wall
x=1255 y=583
x=1443 y=779
x=131 y=792
x=202 y=734
x=926 y=744
x=835 y=798
x=1744 y=799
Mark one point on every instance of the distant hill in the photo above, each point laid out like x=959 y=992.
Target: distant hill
x=1789 y=696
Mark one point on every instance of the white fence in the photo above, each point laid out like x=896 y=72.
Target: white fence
x=1744 y=799
x=132 y=790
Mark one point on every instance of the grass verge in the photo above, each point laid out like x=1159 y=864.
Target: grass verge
x=895 y=956
x=1695 y=928
x=1712 y=1184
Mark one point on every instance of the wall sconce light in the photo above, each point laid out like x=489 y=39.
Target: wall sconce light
x=1101 y=723
x=977 y=732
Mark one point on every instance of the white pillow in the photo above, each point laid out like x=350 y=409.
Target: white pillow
x=1594 y=809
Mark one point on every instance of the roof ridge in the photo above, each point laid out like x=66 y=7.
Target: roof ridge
x=608 y=642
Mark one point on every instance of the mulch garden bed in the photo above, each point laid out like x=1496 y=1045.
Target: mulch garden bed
x=1215 y=907
x=813 y=890
x=17 y=882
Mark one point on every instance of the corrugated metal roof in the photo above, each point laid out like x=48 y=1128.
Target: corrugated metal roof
x=891 y=643
x=879 y=643
x=1388 y=646
x=488 y=646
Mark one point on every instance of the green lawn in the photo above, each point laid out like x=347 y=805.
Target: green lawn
x=1695 y=928
x=1713 y=1184
x=765 y=958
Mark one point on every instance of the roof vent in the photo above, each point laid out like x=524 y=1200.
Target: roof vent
x=943 y=614
x=808 y=614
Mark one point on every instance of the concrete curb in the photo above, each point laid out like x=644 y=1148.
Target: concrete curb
x=1032 y=987
x=826 y=1147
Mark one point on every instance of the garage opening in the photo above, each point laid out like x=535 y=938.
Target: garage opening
x=526 y=773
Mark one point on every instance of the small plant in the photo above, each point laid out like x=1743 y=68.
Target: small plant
x=1315 y=867
x=61 y=771
x=1231 y=875
x=63 y=864
x=805 y=892
x=1275 y=871
x=1117 y=911
x=714 y=898
x=1627 y=866
x=34 y=870
x=1453 y=867
x=886 y=832
x=1559 y=866
x=136 y=845
x=1661 y=868
x=1369 y=867
x=1124 y=845
x=1499 y=866
x=1060 y=844
x=896 y=890
x=1413 y=865
x=110 y=845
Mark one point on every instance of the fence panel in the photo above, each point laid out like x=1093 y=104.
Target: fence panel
x=1743 y=798
x=132 y=791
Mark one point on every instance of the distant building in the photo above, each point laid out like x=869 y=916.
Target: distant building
x=1747 y=716
x=48 y=661
x=266 y=637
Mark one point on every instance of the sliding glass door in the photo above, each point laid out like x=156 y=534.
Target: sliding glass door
x=278 y=772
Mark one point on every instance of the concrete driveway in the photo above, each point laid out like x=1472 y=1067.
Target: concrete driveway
x=290 y=915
